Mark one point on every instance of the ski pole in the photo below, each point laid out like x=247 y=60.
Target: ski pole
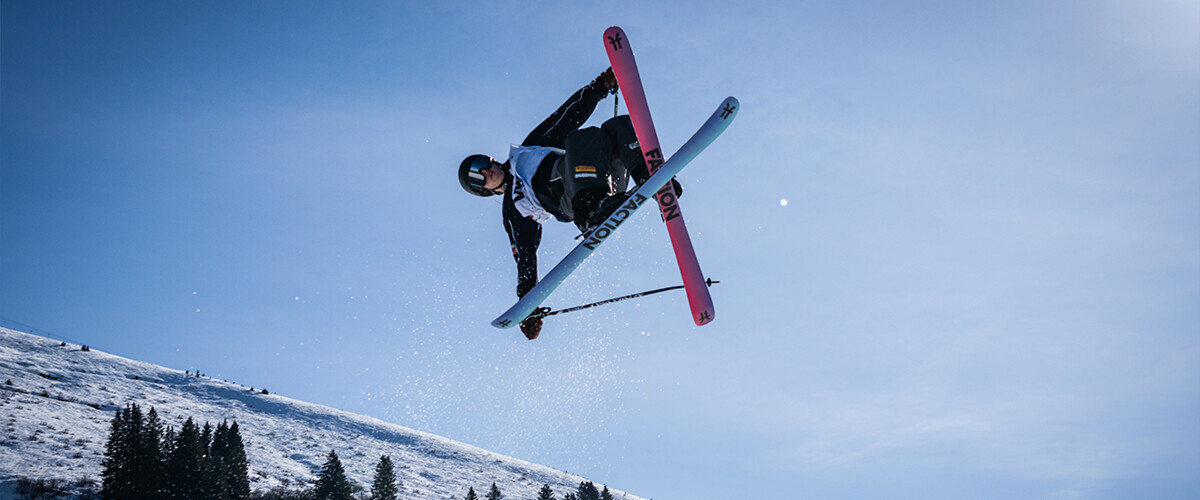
x=542 y=312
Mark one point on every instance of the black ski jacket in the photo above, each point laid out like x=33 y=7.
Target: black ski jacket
x=525 y=234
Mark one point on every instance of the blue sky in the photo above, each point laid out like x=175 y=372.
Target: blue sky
x=959 y=243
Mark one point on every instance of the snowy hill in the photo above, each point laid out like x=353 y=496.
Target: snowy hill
x=55 y=416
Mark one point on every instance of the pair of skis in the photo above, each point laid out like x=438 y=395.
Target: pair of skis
x=657 y=186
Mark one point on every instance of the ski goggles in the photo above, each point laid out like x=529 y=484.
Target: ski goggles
x=474 y=176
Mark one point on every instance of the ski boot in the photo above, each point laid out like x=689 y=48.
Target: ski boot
x=594 y=207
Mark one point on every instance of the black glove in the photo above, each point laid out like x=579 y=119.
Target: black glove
x=531 y=327
x=606 y=82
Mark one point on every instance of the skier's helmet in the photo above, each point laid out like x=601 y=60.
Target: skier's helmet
x=470 y=174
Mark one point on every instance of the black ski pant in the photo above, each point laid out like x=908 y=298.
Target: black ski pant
x=599 y=161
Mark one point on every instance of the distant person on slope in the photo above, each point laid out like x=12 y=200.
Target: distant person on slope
x=560 y=172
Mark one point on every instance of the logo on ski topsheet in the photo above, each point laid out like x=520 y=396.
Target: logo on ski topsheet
x=654 y=160
x=615 y=41
x=665 y=196
x=596 y=237
x=729 y=108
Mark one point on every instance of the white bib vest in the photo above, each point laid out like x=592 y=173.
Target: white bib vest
x=523 y=162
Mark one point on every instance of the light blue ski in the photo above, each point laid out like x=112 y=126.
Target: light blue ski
x=716 y=124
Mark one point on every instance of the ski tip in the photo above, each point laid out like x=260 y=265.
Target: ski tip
x=730 y=107
x=614 y=39
x=705 y=317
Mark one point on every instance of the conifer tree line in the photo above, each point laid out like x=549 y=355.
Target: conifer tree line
x=587 y=491
x=332 y=484
x=143 y=460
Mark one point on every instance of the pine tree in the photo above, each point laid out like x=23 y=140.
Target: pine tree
x=471 y=494
x=219 y=444
x=150 y=469
x=116 y=481
x=494 y=493
x=588 y=491
x=185 y=466
x=213 y=472
x=165 y=446
x=239 y=468
x=332 y=483
x=214 y=478
x=546 y=493
x=206 y=438
x=384 y=486
x=605 y=495
x=135 y=435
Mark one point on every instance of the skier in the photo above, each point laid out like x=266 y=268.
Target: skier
x=560 y=172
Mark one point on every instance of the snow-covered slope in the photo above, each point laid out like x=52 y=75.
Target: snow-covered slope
x=55 y=415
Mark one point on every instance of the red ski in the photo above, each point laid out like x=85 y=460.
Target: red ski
x=630 y=81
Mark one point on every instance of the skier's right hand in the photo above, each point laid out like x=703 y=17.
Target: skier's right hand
x=607 y=82
x=531 y=327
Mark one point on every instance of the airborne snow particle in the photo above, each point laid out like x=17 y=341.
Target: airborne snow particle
x=783 y=202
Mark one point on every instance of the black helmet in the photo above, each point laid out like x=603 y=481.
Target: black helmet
x=470 y=174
